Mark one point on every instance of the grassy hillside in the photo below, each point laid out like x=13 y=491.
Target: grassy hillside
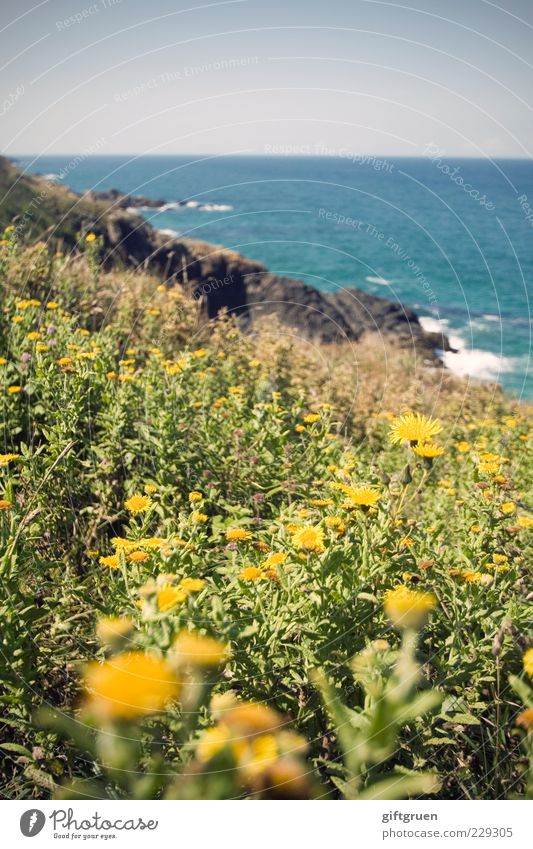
x=231 y=568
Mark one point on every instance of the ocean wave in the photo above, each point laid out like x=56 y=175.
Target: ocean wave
x=169 y=232
x=175 y=206
x=380 y=280
x=485 y=365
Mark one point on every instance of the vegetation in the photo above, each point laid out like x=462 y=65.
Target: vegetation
x=228 y=570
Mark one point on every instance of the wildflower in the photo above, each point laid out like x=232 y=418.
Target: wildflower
x=235 y=390
x=198 y=518
x=129 y=685
x=5 y=504
x=274 y=560
x=528 y=662
x=311 y=418
x=407 y=608
x=525 y=719
x=112 y=561
x=508 y=507
x=299 y=428
x=359 y=496
x=522 y=521
x=8 y=458
x=90 y=237
x=414 y=427
x=320 y=502
x=252 y=573
x=14 y=390
x=138 y=557
x=199 y=353
x=125 y=544
x=111 y=375
x=169 y=596
x=192 y=585
x=463 y=447
x=476 y=529
x=3 y=361
x=33 y=336
x=428 y=450
x=406 y=542
x=52 y=305
x=150 y=489
x=193 y=649
x=64 y=361
x=195 y=496
x=254 y=363
x=309 y=538
x=252 y=718
x=237 y=534
x=212 y=742
x=138 y=503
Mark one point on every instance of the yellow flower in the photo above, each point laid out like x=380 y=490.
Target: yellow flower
x=406 y=542
x=52 y=305
x=299 y=428
x=64 y=361
x=528 y=662
x=111 y=375
x=138 y=503
x=254 y=363
x=212 y=742
x=476 y=529
x=429 y=450
x=138 y=557
x=274 y=560
x=359 y=496
x=14 y=390
x=414 y=427
x=252 y=573
x=508 y=507
x=525 y=521
x=150 y=488
x=199 y=353
x=192 y=585
x=311 y=418
x=525 y=719
x=198 y=518
x=3 y=361
x=407 y=608
x=125 y=544
x=320 y=502
x=237 y=534
x=193 y=649
x=33 y=336
x=195 y=496
x=8 y=458
x=463 y=447
x=90 y=237
x=112 y=562
x=309 y=538
x=129 y=685
x=252 y=718
x=169 y=596
x=5 y=505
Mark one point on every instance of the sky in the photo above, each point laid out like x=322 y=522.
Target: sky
x=258 y=77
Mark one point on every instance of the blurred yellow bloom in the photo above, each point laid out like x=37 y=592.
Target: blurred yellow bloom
x=310 y=418
x=428 y=450
x=193 y=649
x=195 y=496
x=4 y=504
x=110 y=629
x=528 y=662
x=525 y=521
x=359 y=496
x=90 y=237
x=138 y=557
x=192 y=585
x=463 y=447
x=14 y=390
x=8 y=458
x=129 y=685
x=508 y=507
x=169 y=596
x=408 y=608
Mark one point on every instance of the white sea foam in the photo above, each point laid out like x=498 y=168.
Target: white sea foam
x=489 y=317
x=169 y=232
x=464 y=360
x=381 y=280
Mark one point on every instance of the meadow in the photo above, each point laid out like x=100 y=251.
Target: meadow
x=226 y=574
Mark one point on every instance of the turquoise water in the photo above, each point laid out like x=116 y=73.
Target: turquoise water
x=453 y=238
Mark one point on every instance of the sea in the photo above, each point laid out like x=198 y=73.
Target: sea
x=451 y=238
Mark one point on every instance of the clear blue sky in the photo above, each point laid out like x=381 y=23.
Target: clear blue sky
x=125 y=76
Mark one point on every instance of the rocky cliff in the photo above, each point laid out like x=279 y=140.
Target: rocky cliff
x=217 y=277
